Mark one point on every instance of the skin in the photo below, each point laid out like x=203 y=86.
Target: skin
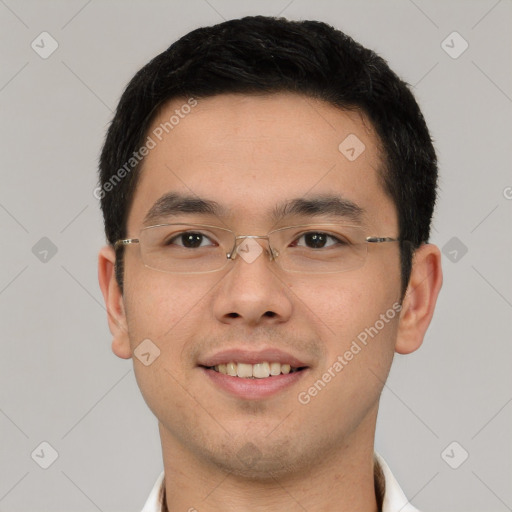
x=250 y=153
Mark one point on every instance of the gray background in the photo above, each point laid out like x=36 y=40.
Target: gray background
x=60 y=382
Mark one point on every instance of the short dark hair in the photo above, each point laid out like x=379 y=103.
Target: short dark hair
x=264 y=55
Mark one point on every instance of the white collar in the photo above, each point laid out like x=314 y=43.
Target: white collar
x=394 y=498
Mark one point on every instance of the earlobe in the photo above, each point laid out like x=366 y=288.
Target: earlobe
x=420 y=299
x=114 y=303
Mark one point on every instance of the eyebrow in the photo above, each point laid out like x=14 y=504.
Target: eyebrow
x=176 y=204
x=325 y=205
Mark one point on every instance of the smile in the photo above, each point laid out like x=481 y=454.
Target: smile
x=261 y=370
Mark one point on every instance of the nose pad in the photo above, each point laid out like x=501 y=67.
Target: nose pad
x=272 y=253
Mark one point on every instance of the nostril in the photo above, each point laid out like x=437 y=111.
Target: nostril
x=270 y=314
x=233 y=315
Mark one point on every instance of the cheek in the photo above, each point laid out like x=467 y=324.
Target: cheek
x=158 y=304
x=354 y=305
x=357 y=321
x=166 y=311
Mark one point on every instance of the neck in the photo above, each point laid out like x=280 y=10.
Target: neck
x=342 y=481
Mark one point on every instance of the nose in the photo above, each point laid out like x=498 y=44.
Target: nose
x=253 y=292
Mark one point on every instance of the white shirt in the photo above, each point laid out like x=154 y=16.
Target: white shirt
x=394 y=498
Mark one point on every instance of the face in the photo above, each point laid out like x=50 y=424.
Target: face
x=252 y=155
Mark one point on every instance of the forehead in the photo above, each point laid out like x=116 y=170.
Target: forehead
x=250 y=153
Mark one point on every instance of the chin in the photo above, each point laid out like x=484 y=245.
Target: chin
x=259 y=458
x=251 y=463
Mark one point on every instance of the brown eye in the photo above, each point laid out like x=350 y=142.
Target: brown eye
x=190 y=240
x=318 y=240
x=315 y=240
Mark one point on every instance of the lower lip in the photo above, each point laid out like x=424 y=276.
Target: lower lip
x=253 y=389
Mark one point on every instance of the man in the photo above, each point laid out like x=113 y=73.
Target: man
x=267 y=188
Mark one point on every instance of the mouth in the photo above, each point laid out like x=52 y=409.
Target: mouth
x=262 y=370
x=253 y=375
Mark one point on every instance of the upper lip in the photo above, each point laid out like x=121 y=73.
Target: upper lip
x=239 y=355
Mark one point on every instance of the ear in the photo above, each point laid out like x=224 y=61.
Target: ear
x=420 y=298
x=114 y=303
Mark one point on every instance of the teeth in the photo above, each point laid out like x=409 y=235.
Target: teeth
x=260 y=370
x=285 y=368
x=275 y=368
x=257 y=371
x=244 y=370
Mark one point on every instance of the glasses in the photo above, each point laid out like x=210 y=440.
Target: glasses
x=200 y=248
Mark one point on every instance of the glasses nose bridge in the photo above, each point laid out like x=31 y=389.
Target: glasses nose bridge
x=239 y=238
